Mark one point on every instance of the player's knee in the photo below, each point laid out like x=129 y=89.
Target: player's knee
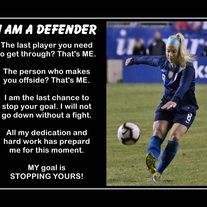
x=177 y=131
x=176 y=135
x=174 y=138
x=158 y=132
x=160 y=129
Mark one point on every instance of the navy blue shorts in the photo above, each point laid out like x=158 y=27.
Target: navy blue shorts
x=173 y=116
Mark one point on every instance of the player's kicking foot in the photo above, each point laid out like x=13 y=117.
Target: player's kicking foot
x=150 y=162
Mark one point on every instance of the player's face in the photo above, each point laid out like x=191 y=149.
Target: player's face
x=171 y=53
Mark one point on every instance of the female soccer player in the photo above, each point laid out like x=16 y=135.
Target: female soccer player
x=178 y=106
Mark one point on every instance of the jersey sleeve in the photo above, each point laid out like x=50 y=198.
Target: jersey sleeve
x=157 y=61
x=187 y=78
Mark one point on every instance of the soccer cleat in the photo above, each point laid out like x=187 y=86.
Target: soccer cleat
x=156 y=177
x=150 y=162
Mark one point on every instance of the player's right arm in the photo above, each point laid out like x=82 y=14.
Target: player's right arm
x=147 y=60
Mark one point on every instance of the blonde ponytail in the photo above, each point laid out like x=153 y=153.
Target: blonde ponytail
x=183 y=54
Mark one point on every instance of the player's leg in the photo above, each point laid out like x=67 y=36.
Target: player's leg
x=161 y=126
x=179 y=128
x=176 y=132
x=160 y=130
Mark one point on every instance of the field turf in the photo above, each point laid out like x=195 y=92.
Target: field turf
x=126 y=164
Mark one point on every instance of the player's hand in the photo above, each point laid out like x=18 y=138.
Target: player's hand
x=129 y=61
x=169 y=105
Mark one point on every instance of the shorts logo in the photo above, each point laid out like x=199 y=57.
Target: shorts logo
x=188 y=119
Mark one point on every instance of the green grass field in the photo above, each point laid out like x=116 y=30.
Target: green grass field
x=126 y=164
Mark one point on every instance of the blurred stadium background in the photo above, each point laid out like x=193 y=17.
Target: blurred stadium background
x=133 y=94
x=122 y=37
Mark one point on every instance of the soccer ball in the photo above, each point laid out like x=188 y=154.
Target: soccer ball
x=128 y=133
